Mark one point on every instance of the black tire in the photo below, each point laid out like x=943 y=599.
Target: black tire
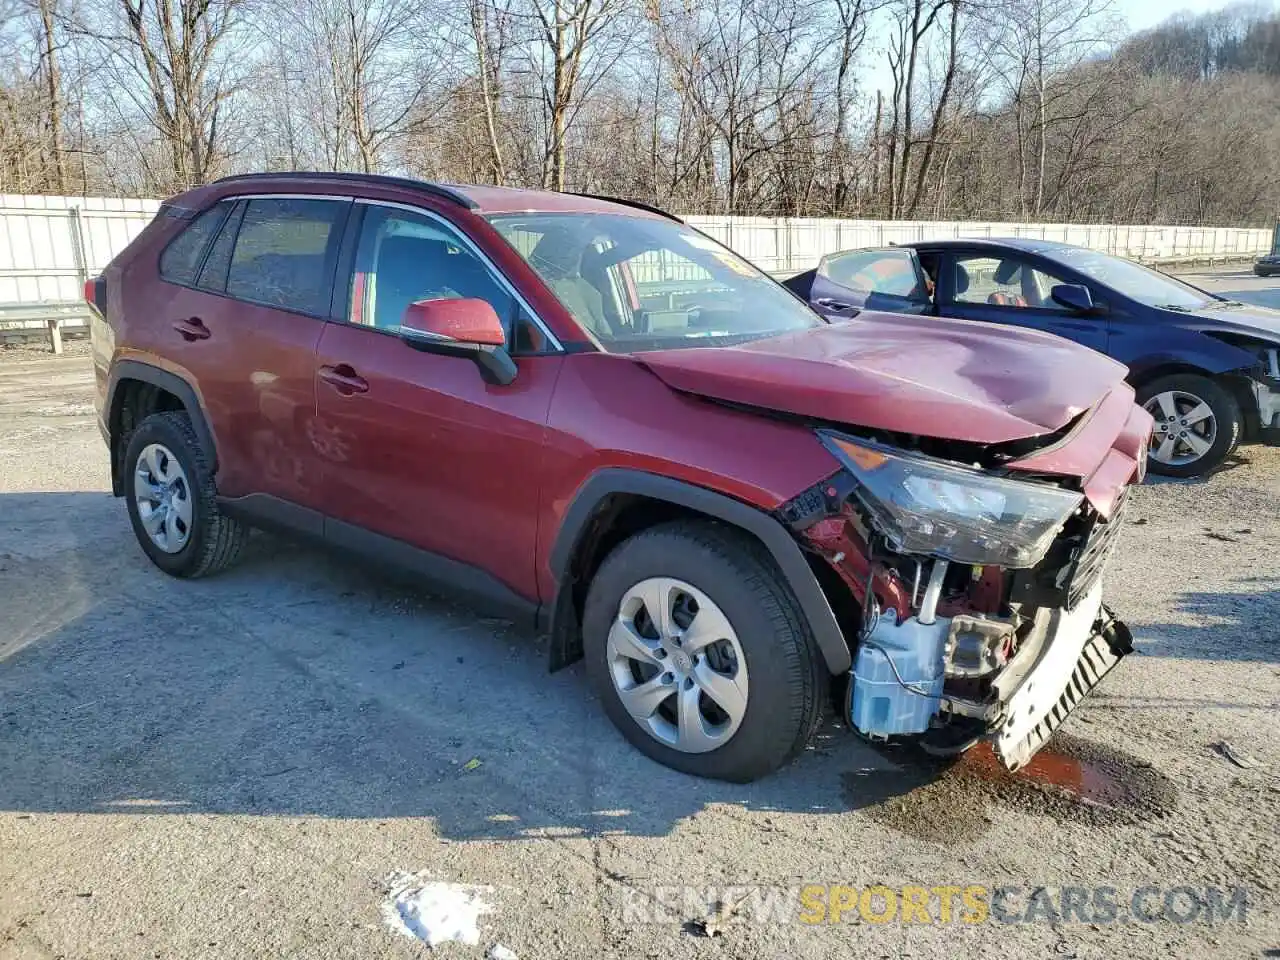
x=1230 y=421
x=215 y=540
x=787 y=679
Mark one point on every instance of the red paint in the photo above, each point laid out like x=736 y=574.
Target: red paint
x=929 y=375
x=432 y=454
x=837 y=540
x=467 y=321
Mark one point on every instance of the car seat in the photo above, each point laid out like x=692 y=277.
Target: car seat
x=557 y=256
x=1007 y=273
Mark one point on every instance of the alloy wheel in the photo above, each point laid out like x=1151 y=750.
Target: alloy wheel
x=163 y=497
x=1185 y=430
x=677 y=665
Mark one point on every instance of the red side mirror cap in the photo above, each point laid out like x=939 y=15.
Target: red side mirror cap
x=462 y=321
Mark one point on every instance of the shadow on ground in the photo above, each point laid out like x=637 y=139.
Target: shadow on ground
x=1243 y=624
x=300 y=684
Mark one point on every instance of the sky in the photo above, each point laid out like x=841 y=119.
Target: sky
x=1141 y=14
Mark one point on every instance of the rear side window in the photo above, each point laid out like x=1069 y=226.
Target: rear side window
x=285 y=252
x=875 y=271
x=180 y=262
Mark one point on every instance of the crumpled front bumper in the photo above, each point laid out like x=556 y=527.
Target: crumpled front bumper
x=1045 y=681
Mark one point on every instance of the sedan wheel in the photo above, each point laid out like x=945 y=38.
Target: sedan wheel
x=1197 y=423
x=1185 y=430
x=677 y=665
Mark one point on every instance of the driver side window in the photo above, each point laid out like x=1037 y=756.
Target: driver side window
x=405 y=257
x=1003 y=282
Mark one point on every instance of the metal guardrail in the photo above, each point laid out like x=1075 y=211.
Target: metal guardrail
x=46 y=321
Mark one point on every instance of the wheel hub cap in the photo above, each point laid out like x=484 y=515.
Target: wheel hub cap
x=677 y=665
x=163 y=498
x=1185 y=427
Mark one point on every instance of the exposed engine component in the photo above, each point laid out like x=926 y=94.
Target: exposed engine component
x=899 y=672
x=978 y=645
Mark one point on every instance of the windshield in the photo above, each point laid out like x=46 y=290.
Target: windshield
x=1135 y=281
x=642 y=284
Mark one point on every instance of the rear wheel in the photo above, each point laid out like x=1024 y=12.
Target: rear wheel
x=700 y=654
x=1198 y=423
x=172 y=501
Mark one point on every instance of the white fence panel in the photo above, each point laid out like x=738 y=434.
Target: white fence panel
x=50 y=245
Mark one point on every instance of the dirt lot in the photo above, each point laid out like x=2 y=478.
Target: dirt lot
x=232 y=767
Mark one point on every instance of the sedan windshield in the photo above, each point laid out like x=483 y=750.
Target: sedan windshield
x=637 y=283
x=1135 y=281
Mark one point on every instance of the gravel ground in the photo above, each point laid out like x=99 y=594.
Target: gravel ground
x=234 y=767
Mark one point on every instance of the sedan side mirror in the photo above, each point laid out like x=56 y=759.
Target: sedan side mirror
x=1073 y=296
x=460 y=328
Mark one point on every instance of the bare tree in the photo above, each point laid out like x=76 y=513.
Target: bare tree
x=574 y=44
x=1032 y=46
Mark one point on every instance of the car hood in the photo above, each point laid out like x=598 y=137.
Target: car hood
x=935 y=377
x=1243 y=318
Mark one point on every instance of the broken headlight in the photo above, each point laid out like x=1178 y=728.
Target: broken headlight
x=924 y=505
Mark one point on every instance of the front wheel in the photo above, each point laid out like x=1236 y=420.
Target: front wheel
x=700 y=654
x=1198 y=423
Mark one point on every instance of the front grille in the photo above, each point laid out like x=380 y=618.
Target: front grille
x=1074 y=562
x=1093 y=555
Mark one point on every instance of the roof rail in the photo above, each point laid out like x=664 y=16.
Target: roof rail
x=627 y=203
x=425 y=186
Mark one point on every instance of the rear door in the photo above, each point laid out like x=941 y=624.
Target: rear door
x=889 y=279
x=243 y=317
x=1011 y=288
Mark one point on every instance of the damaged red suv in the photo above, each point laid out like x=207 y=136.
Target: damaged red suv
x=598 y=420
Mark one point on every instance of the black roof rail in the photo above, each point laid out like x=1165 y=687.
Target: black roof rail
x=425 y=186
x=627 y=203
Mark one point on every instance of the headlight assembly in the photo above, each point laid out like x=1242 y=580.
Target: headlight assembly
x=923 y=505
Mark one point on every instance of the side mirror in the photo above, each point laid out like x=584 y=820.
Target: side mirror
x=460 y=328
x=1073 y=296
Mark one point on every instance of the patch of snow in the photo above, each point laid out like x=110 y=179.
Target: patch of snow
x=499 y=952
x=434 y=911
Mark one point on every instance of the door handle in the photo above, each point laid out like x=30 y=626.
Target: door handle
x=831 y=304
x=344 y=379
x=192 y=329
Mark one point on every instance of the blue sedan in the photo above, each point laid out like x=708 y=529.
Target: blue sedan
x=1206 y=368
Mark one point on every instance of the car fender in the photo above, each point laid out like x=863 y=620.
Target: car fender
x=1188 y=348
x=123 y=370
x=771 y=534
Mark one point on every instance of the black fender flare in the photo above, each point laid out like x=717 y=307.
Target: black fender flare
x=772 y=535
x=123 y=370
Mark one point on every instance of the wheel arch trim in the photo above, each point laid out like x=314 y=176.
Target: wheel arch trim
x=771 y=534
x=124 y=370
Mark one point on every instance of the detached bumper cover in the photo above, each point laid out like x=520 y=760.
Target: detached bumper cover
x=1083 y=646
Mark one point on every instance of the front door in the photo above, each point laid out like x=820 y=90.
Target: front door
x=418 y=447
x=1009 y=288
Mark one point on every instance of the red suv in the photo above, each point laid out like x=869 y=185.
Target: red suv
x=599 y=420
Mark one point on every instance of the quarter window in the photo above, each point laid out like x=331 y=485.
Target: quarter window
x=213 y=275
x=285 y=251
x=180 y=262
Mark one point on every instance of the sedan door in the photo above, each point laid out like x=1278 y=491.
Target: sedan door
x=1010 y=288
x=425 y=461
x=890 y=280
